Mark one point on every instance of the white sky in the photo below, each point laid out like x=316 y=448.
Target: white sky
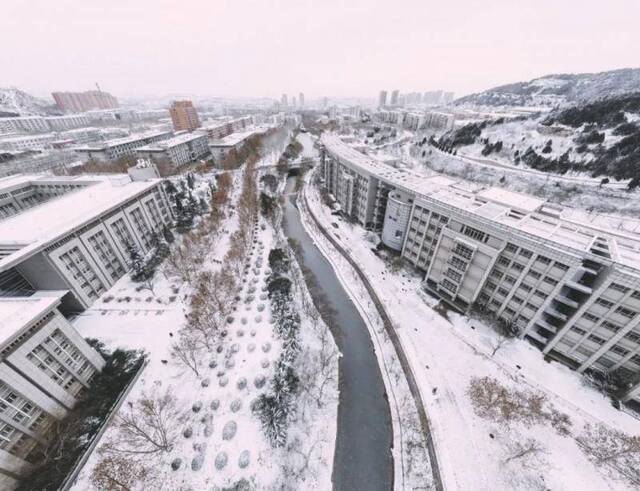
x=320 y=47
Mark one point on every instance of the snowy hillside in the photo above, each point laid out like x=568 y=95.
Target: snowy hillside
x=558 y=89
x=16 y=102
x=601 y=138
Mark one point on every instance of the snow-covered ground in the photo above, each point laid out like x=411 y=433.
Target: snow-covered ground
x=447 y=352
x=230 y=380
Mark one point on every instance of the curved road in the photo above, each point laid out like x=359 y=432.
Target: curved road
x=362 y=459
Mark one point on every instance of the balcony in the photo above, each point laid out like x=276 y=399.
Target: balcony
x=556 y=314
x=580 y=287
x=567 y=301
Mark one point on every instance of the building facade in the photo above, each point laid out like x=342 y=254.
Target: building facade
x=45 y=367
x=569 y=286
x=179 y=150
x=121 y=147
x=184 y=116
x=76 y=102
x=83 y=236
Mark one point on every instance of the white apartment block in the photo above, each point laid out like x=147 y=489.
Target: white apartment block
x=27 y=142
x=571 y=286
x=71 y=233
x=45 y=366
x=179 y=150
x=43 y=124
x=121 y=147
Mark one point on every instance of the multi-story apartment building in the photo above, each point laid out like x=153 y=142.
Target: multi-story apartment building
x=84 y=227
x=216 y=130
x=571 y=287
x=76 y=102
x=382 y=98
x=179 y=150
x=27 y=124
x=184 y=116
x=120 y=147
x=27 y=142
x=45 y=366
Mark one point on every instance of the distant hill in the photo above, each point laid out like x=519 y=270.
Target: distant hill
x=558 y=89
x=600 y=137
x=14 y=102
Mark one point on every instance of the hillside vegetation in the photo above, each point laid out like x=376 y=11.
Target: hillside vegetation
x=601 y=138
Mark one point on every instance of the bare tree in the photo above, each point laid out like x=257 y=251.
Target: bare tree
x=326 y=360
x=146 y=426
x=520 y=450
x=187 y=351
x=120 y=472
x=608 y=446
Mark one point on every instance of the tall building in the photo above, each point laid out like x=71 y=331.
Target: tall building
x=283 y=101
x=45 y=366
x=293 y=102
x=382 y=98
x=569 y=284
x=84 y=101
x=394 y=97
x=325 y=102
x=447 y=97
x=301 y=99
x=184 y=116
x=84 y=226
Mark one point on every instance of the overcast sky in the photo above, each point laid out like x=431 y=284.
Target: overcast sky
x=320 y=47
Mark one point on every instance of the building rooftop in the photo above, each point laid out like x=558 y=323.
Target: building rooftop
x=34 y=228
x=172 y=142
x=122 y=141
x=232 y=139
x=15 y=313
x=565 y=227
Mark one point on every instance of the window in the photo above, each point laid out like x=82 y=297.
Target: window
x=590 y=317
x=454 y=275
x=448 y=285
x=604 y=303
x=625 y=312
x=534 y=274
x=525 y=287
x=620 y=350
x=618 y=287
x=517 y=300
x=503 y=261
x=550 y=281
x=636 y=295
x=458 y=263
x=611 y=326
x=596 y=339
x=509 y=279
x=561 y=266
x=543 y=260
x=474 y=234
x=464 y=251
x=579 y=331
x=526 y=253
x=503 y=291
x=517 y=266
x=511 y=247
x=632 y=336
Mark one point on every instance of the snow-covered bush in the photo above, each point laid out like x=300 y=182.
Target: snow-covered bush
x=244 y=320
x=235 y=347
x=264 y=363
x=252 y=332
x=223 y=381
x=176 y=463
x=251 y=347
x=259 y=381
x=188 y=432
x=230 y=319
x=221 y=460
x=244 y=460
x=266 y=347
x=235 y=405
x=213 y=363
x=240 y=333
x=215 y=404
x=260 y=307
x=242 y=383
x=230 y=363
x=229 y=430
x=205 y=382
x=197 y=406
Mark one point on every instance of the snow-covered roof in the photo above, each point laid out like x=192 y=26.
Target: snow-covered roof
x=34 y=228
x=232 y=140
x=172 y=142
x=16 y=313
x=527 y=214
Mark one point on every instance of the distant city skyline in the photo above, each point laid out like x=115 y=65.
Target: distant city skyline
x=263 y=49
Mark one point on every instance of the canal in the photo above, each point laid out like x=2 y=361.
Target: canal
x=362 y=459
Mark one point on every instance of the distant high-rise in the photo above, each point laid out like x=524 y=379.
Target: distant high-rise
x=293 y=102
x=301 y=99
x=325 y=102
x=77 y=102
x=283 y=101
x=394 y=97
x=447 y=97
x=184 y=116
x=382 y=98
